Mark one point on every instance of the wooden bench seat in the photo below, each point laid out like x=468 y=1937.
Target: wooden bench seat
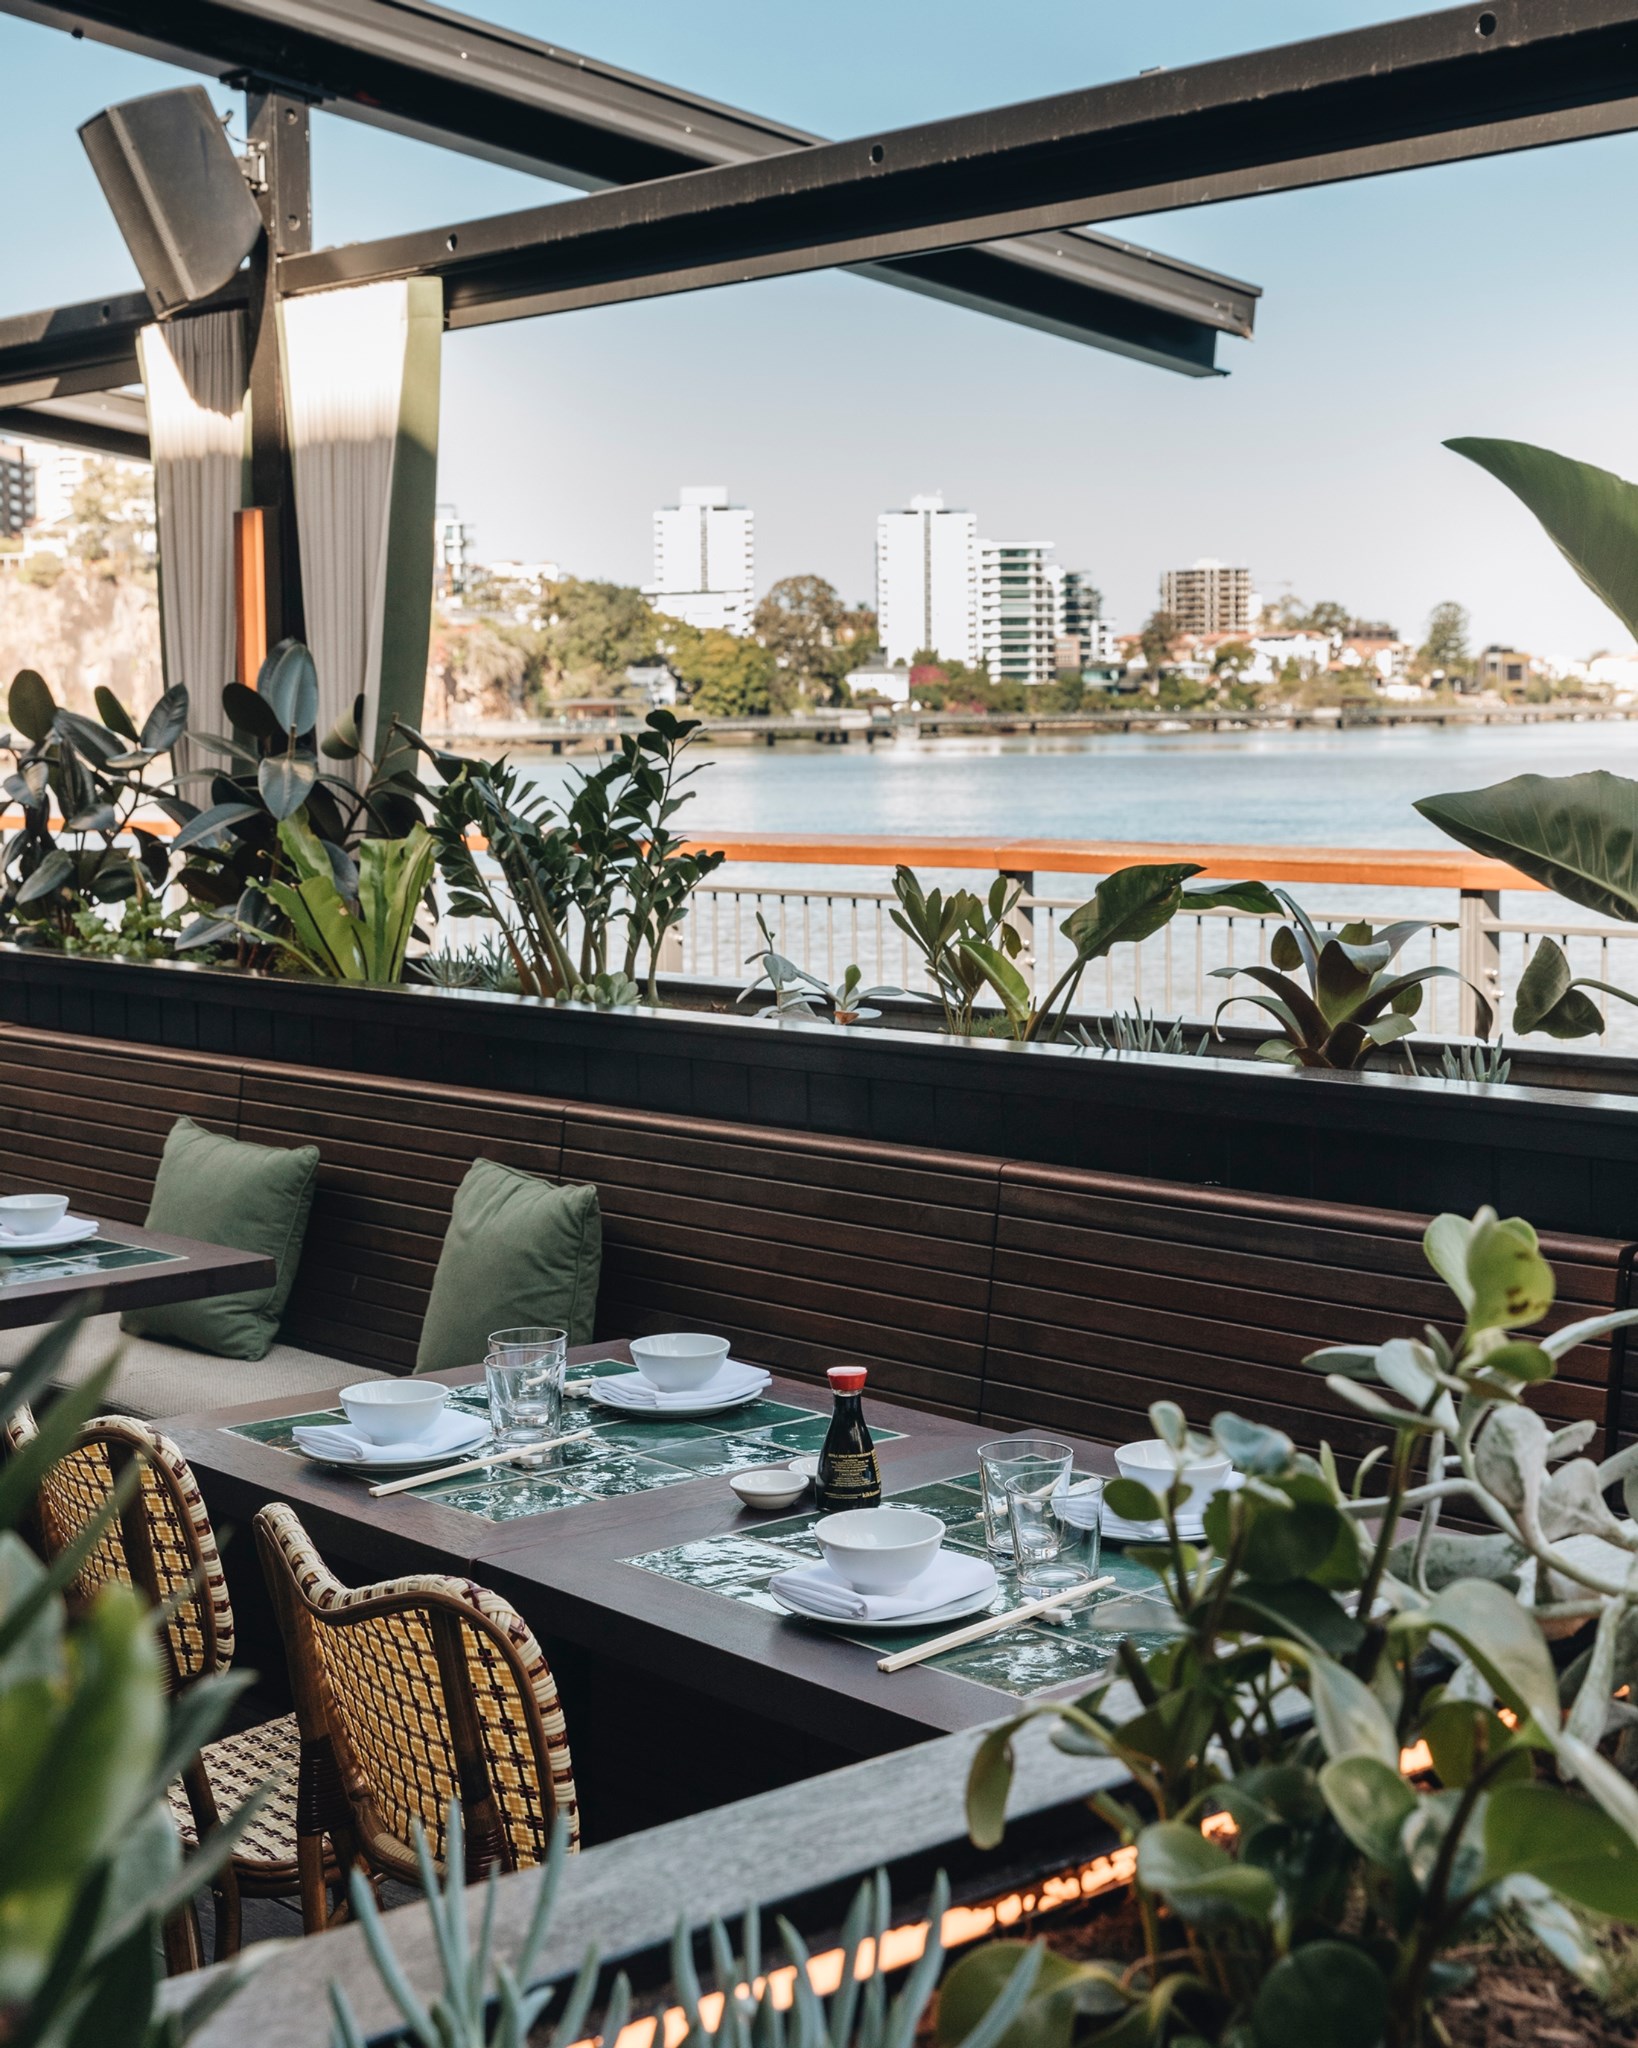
x=1024 y=1295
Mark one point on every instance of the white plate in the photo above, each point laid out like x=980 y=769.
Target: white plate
x=672 y=1411
x=952 y=1610
x=71 y=1230
x=1190 y=1528
x=451 y=1454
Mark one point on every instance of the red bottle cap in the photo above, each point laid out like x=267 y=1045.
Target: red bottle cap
x=846 y=1379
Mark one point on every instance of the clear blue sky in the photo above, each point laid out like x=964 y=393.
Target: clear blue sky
x=1491 y=298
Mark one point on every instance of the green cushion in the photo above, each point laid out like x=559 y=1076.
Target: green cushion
x=254 y=1198
x=519 y=1250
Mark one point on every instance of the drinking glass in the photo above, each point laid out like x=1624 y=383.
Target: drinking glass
x=524 y=1376
x=1014 y=1457
x=1079 y=1508
x=1034 y=1504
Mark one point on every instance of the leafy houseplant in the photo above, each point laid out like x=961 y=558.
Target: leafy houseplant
x=90 y=1864
x=942 y=928
x=1355 y=1000
x=359 y=934
x=1316 y=1644
x=795 y=990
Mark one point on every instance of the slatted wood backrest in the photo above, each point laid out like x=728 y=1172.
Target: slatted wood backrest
x=88 y=1118
x=391 y=1155
x=807 y=1252
x=1110 y=1292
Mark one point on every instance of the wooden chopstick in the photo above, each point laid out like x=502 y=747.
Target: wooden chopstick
x=993 y=1625
x=511 y=1457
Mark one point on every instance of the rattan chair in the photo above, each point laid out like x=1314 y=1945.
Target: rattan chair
x=162 y=1542
x=409 y=1693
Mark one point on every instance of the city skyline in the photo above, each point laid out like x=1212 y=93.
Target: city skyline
x=1398 y=312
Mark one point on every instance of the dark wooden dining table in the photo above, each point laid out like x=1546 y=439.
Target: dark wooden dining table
x=125 y=1267
x=677 y=1698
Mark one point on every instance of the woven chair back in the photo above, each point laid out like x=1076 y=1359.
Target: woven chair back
x=425 y=1687
x=161 y=1542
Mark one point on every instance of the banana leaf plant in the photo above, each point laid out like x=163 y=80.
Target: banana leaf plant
x=1576 y=834
x=95 y=774
x=1126 y=908
x=1355 y=1001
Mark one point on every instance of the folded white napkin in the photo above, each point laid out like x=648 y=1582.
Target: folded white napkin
x=454 y=1431
x=731 y=1379
x=951 y=1576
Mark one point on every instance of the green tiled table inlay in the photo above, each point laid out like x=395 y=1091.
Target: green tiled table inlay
x=624 y=1455
x=95 y=1255
x=1036 y=1657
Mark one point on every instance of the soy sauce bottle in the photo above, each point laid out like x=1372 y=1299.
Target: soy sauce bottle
x=849 y=1476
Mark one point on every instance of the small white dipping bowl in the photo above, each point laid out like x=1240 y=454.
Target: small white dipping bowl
x=678 y=1362
x=769 y=1486
x=879 y=1550
x=28 y=1215
x=394 y=1411
x=1153 y=1462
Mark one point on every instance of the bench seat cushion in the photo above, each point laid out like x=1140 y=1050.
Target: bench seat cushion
x=156 y=1380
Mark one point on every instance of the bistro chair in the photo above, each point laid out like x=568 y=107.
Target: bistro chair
x=162 y=1543
x=408 y=1694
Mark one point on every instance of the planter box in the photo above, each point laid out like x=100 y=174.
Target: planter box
x=1566 y=1158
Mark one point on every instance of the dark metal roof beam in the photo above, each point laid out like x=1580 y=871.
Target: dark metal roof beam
x=470 y=85
x=1431 y=89
x=111 y=422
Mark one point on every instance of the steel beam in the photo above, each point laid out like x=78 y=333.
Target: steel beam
x=419 y=70
x=1432 y=89
x=110 y=422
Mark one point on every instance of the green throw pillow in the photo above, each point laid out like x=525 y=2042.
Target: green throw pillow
x=254 y=1198
x=519 y=1250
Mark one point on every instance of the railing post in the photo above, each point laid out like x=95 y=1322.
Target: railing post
x=1022 y=916
x=1479 y=956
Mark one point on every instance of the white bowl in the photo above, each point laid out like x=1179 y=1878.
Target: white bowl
x=879 y=1550
x=769 y=1486
x=1153 y=1463
x=28 y=1215
x=394 y=1411
x=679 y=1361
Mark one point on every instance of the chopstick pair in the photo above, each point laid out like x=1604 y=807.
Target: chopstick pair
x=512 y=1457
x=992 y=1625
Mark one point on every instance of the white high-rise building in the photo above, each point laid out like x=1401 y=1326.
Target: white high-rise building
x=927 y=581
x=1017 y=610
x=704 y=560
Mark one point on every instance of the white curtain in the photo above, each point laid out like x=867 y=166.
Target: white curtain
x=194 y=373
x=345 y=357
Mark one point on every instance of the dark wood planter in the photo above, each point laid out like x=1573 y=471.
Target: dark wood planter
x=1565 y=1157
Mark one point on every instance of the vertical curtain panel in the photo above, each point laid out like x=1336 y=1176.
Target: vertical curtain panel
x=361 y=401
x=194 y=373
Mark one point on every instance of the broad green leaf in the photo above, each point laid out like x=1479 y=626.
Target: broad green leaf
x=1199 y=1879
x=974 y=1985
x=1131 y=1500
x=55 y=872
x=1325 y=1994
x=1371 y=1803
x=1512 y=1283
x=1256 y=899
x=166 y=723
x=1252 y=1446
x=1169 y=1423
x=1546 y=998
x=30 y=705
x=1297 y=1609
x=1521 y=1361
x=1285 y=950
x=286 y=781
x=1002 y=976
x=113 y=713
x=288 y=684
x=1589 y=514
x=342 y=741
x=1567 y=1843
x=252 y=714
x=1288 y=1543
x=1127 y=907
x=210 y=827
x=988 y=1782
x=1576 y=834
x=1504 y=1640
x=1460 y=1733
x=1349 y=1716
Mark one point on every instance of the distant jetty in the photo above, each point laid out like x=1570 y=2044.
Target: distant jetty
x=856 y=726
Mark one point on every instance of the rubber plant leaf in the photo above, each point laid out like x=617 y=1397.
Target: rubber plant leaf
x=288 y=685
x=285 y=781
x=1576 y=834
x=1589 y=514
x=31 y=706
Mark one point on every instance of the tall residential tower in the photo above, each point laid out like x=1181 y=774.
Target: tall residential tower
x=704 y=560
x=1209 y=598
x=927 y=581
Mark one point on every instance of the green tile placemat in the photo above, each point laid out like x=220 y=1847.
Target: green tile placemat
x=95 y=1255
x=1033 y=1658
x=624 y=1456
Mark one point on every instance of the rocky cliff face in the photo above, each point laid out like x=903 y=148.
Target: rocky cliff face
x=92 y=625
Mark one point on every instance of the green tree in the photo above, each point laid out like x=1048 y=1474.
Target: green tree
x=721 y=674
x=1233 y=658
x=1446 y=646
x=594 y=631
x=112 y=509
x=1159 y=638
x=801 y=622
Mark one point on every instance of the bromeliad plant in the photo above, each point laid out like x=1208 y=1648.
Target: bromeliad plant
x=1355 y=1000
x=1303 y=1866
x=489 y=2004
